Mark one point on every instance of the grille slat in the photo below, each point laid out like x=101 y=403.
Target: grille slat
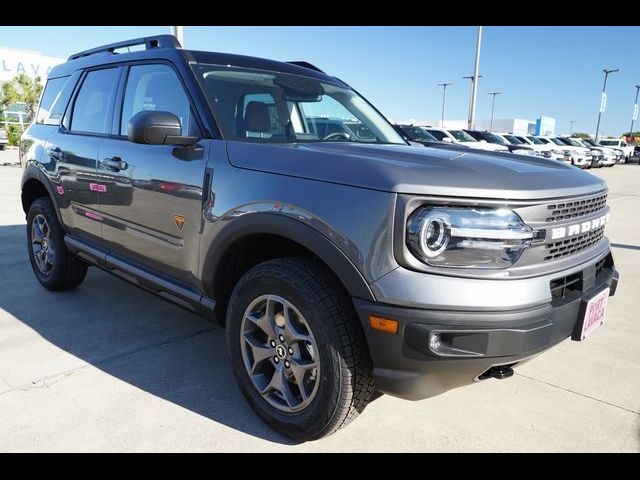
x=579 y=208
x=562 y=287
x=573 y=245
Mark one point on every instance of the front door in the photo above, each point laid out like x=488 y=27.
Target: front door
x=151 y=198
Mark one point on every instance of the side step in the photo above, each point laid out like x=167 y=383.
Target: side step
x=162 y=286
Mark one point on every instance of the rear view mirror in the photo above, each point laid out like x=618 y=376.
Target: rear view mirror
x=157 y=128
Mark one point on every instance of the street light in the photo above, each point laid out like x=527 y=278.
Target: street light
x=444 y=97
x=635 y=114
x=473 y=81
x=571 y=122
x=474 y=84
x=603 y=102
x=178 y=32
x=493 y=104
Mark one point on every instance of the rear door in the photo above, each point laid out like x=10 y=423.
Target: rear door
x=151 y=202
x=74 y=148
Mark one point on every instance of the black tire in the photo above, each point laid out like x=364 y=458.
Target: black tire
x=2 y=146
x=67 y=271
x=346 y=380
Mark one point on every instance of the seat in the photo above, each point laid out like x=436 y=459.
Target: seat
x=256 y=118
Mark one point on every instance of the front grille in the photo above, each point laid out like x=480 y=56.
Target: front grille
x=562 y=287
x=579 y=208
x=600 y=267
x=573 y=245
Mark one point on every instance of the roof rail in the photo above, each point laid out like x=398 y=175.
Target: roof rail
x=308 y=65
x=158 y=41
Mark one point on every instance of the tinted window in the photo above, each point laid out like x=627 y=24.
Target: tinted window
x=91 y=107
x=438 y=134
x=157 y=88
x=54 y=101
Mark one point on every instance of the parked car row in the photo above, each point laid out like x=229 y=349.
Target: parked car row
x=583 y=153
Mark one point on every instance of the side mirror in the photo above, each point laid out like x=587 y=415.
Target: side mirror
x=157 y=128
x=447 y=139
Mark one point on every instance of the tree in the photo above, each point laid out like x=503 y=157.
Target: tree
x=581 y=135
x=21 y=89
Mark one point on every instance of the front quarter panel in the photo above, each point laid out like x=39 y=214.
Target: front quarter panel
x=357 y=221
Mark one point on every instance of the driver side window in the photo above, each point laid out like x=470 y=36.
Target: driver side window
x=157 y=88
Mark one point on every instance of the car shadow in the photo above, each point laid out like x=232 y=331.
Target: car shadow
x=131 y=335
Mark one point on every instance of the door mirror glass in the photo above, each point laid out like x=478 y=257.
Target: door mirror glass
x=157 y=128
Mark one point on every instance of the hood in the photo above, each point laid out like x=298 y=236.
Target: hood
x=425 y=171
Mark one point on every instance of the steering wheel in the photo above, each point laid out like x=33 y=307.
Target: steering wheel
x=336 y=135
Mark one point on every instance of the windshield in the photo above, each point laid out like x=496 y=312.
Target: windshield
x=557 y=141
x=461 y=136
x=570 y=141
x=514 y=140
x=267 y=106
x=539 y=141
x=588 y=141
x=609 y=142
x=418 y=134
x=493 y=138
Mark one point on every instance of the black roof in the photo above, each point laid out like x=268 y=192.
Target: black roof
x=167 y=47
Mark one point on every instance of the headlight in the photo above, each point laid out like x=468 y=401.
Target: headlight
x=523 y=151
x=468 y=238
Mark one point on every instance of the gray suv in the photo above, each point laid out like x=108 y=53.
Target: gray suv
x=274 y=199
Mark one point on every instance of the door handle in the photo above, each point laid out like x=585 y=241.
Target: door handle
x=55 y=153
x=114 y=163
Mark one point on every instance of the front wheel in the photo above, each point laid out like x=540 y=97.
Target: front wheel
x=296 y=348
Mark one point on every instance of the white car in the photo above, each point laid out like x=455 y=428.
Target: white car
x=463 y=138
x=618 y=143
x=541 y=149
x=578 y=156
x=609 y=155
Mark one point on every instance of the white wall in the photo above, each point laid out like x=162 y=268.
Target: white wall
x=13 y=62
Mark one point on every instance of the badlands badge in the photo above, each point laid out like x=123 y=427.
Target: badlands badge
x=179 y=219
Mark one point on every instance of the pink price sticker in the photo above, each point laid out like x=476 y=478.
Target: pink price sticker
x=97 y=187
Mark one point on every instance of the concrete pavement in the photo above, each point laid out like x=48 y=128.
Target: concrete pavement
x=80 y=371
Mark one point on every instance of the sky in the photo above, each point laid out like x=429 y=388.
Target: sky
x=551 y=71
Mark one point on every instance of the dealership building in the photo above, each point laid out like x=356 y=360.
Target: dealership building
x=14 y=61
x=519 y=126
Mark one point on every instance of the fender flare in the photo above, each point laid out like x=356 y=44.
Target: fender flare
x=294 y=230
x=31 y=172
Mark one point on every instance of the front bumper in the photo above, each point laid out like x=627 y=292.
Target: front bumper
x=413 y=365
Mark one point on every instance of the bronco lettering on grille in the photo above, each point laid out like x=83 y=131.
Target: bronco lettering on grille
x=575 y=229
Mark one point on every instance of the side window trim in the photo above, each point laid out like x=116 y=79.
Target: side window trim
x=68 y=116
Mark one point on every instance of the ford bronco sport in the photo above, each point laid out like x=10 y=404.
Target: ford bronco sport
x=273 y=198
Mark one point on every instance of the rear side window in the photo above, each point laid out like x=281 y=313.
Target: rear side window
x=157 y=88
x=54 y=100
x=91 y=108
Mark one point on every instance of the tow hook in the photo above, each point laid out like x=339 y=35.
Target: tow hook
x=500 y=372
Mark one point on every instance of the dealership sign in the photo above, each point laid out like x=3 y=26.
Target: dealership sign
x=14 y=62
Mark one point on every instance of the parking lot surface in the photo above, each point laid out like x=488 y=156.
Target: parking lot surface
x=109 y=367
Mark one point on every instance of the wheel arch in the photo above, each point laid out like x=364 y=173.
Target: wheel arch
x=34 y=185
x=274 y=235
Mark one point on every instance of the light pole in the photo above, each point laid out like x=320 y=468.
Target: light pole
x=178 y=32
x=603 y=102
x=474 y=85
x=571 y=122
x=444 y=98
x=635 y=114
x=493 y=104
x=473 y=80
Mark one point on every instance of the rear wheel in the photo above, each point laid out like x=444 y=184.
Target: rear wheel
x=54 y=267
x=297 y=350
